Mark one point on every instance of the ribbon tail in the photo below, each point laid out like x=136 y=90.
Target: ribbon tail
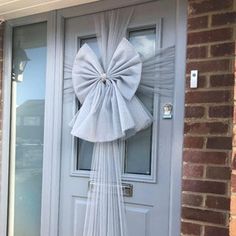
x=105 y=213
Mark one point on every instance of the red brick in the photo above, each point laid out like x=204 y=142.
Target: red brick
x=2 y=29
x=207 y=96
x=221 y=111
x=200 y=186
x=222 y=80
x=216 y=231
x=193 y=142
x=209 y=6
x=206 y=128
x=219 y=143
x=197 y=23
x=216 y=35
x=194 y=111
x=202 y=157
x=191 y=171
x=224 y=18
x=221 y=173
x=223 y=49
x=197 y=52
x=192 y=199
x=209 y=66
x=204 y=215
x=213 y=99
x=221 y=203
x=191 y=229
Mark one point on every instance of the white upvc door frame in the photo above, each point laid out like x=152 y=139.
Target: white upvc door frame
x=49 y=123
x=53 y=111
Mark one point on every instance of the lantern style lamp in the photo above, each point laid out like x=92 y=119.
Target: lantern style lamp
x=20 y=60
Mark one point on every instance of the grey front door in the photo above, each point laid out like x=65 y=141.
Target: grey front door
x=147 y=156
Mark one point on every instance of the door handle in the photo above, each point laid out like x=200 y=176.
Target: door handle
x=126 y=188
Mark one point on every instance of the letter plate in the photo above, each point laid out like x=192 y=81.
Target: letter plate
x=126 y=188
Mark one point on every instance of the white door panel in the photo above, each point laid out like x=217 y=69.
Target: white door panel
x=148 y=207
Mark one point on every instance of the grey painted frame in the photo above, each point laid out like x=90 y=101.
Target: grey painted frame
x=178 y=126
x=50 y=18
x=52 y=152
x=5 y=130
x=152 y=178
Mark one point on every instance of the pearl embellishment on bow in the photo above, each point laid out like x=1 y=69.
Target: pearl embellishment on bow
x=103 y=77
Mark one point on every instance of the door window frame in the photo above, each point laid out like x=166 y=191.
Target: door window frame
x=152 y=178
x=49 y=125
x=53 y=110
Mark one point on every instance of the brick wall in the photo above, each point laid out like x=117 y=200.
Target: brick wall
x=208 y=119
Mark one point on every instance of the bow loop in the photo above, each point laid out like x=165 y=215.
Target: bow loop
x=125 y=68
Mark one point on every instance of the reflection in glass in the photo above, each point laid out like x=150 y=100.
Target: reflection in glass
x=28 y=130
x=144 y=41
x=139 y=147
x=19 y=62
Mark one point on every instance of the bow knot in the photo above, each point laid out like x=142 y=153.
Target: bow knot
x=103 y=77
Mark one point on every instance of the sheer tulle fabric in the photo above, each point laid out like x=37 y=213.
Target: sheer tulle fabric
x=105 y=212
x=105 y=215
x=109 y=109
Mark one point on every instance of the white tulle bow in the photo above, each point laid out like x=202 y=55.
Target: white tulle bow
x=110 y=110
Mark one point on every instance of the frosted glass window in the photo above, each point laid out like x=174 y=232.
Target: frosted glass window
x=27 y=140
x=138 y=150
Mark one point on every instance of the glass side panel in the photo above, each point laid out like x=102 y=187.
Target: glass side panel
x=27 y=138
x=85 y=148
x=139 y=147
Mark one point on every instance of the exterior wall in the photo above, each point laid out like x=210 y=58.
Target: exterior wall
x=208 y=120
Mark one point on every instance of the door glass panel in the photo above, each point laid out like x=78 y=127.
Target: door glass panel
x=92 y=42
x=85 y=148
x=139 y=147
x=27 y=128
x=144 y=41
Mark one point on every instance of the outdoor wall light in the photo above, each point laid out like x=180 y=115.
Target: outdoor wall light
x=20 y=60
